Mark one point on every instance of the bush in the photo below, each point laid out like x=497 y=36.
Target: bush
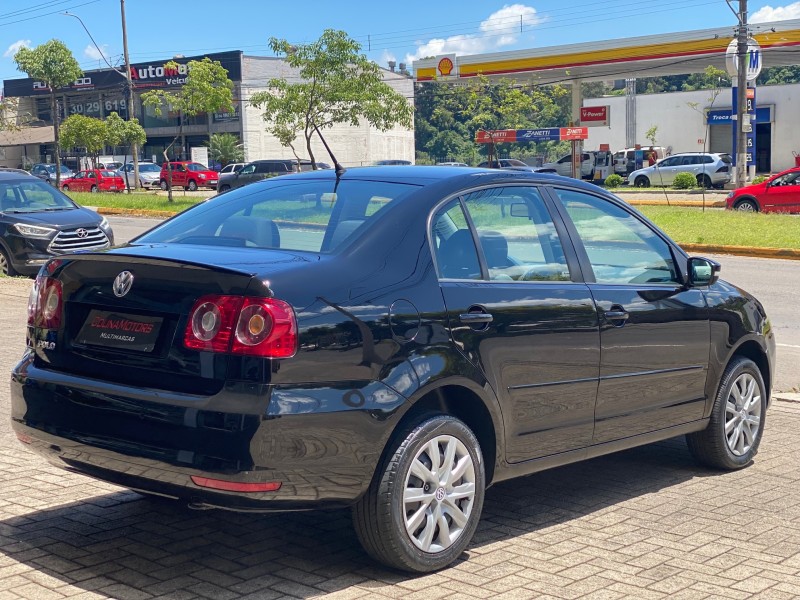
x=759 y=179
x=684 y=181
x=614 y=181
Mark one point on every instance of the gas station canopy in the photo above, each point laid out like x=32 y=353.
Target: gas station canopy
x=649 y=56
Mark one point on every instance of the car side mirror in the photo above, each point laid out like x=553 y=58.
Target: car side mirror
x=519 y=209
x=703 y=271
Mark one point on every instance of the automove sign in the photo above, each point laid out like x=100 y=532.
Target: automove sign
x=143 y=75
x=595 y=116
x=753 y=59
x=532 y=135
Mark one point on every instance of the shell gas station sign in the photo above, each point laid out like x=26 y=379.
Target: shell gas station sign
x=446 y=66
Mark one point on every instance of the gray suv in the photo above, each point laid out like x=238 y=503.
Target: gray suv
x=710 y=170
x=258 y=170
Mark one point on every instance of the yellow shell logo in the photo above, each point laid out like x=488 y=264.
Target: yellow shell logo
x=445 y=67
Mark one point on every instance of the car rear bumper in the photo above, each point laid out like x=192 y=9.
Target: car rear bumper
x=107 y=431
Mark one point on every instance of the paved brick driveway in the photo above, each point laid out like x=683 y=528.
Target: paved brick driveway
x=645 y=523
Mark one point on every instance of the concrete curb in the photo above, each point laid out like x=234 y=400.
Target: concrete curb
x=678 y=203
x=786 y=397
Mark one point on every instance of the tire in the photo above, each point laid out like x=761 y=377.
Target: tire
x=407 y=534
x=746 y=205
x=224 y=188
x=164 y=186
x=6 y=268
x=704 y=181
x=192 y=185
x=740 y=403
x=65 y=188
x=94 y=189
x=641 y=181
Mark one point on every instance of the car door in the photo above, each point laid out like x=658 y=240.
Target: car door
x=519 y=311
x=179 y=175
x=664 y=172
x=80 y=182
x=654 y=332
x=783 y=193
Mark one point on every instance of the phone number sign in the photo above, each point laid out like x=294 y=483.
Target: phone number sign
x=548 y=134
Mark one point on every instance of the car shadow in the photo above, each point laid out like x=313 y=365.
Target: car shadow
x=125 y=545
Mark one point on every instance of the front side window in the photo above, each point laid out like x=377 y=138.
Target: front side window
x=248 y=169
x=788 y=179
x=196 y=167
x=620 y=247
x=670 y=162
x=294 y=215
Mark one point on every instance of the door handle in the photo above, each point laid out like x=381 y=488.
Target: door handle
x=617 y=316
x=476 y=318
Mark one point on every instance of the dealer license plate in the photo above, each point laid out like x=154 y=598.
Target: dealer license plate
x=119 y=330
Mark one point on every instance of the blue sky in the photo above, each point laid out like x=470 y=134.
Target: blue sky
x=402 y=31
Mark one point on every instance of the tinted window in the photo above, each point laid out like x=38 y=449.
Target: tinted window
x=670 y=162
x=707 y=160
x=288 y=215
x=248 y=169
x=454 y=246
x=620 y=247
x=31 y=196
x=517 y=236
x=690 y=160
x=196 y=167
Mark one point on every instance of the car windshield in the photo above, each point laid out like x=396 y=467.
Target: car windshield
x=108 y=173
x=24 y=196
x=300 y=215
x=196 y=167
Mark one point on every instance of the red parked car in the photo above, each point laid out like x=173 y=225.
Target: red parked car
x=779 y=193
x=189 y=175
x=94 y=180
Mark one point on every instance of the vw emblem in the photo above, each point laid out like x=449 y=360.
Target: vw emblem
x=82 y=233
x=122 y=284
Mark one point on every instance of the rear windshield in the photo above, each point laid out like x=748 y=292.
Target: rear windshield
x=108 y=173
x=300 y=215
x=25 y=196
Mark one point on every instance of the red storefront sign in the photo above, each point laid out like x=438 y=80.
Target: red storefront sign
x=497 y=136
x=574 y=133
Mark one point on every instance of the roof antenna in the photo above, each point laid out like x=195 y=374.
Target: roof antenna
x=339 y=168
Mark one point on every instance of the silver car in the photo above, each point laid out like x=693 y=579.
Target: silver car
x=149 y=174
x=710 y=170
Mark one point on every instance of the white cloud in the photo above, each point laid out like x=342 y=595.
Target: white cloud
x=91 y=52
x=501 y=29
x=386 y=56
x=779 y=13
x=14 y=48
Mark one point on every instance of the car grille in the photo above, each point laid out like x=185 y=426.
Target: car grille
x=80 y=238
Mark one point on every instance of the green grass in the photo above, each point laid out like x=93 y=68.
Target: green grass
x=727 y=228
x=136 y=201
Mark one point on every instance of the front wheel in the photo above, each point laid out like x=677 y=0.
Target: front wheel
x=641 y=181
x=737 y=420
x=192 y=186
x=164 y=186
x=94 y=189
x=65 y=188
x=424 y=503
x=746 y=205
x=6 y=268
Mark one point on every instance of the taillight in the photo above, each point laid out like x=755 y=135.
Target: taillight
x=722 y=169
x=45 y=303
x=253 y=326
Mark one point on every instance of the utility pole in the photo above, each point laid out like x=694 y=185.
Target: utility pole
x=134 y=147
x=741 y=97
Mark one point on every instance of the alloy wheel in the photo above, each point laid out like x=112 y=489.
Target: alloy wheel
x=743 y=414
x=439 y=493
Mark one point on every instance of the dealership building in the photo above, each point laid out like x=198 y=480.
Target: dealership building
x=100 y=92
x=685 y=121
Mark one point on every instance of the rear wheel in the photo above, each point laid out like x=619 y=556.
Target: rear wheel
x=737 y=420
x=6 y=268
x=641 y=181
x=65 y=188
x=94 y=189
x=224 y=188
x=164 y=185
x=424 y=503
x=192 y=185
x=747 y=205
x=704 y=181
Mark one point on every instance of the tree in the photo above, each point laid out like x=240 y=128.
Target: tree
x=126 y=133
x=339 y=85
x=651 y=134
x=207 y=89
x=9 y=117
x=225 y=148
x=80 y=131
x=53 y=64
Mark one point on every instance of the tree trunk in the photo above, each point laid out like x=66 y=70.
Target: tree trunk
x=54 y=113
x=310 y=153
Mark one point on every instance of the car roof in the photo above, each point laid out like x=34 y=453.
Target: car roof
x=16 y=175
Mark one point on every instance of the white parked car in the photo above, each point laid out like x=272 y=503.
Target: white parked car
x=149 y=174
x=710 y=170
x=563 y=166
x=231 y=168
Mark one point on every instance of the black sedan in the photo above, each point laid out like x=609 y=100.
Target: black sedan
x=394 y=340
x=38 y=222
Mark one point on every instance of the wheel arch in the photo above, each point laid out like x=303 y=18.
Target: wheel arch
x=749 y=198
x=462 y=400
x=752 y=349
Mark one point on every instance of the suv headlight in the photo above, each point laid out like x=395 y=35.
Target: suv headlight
x=201 y=175
x=104 y=224
x=33 y=230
